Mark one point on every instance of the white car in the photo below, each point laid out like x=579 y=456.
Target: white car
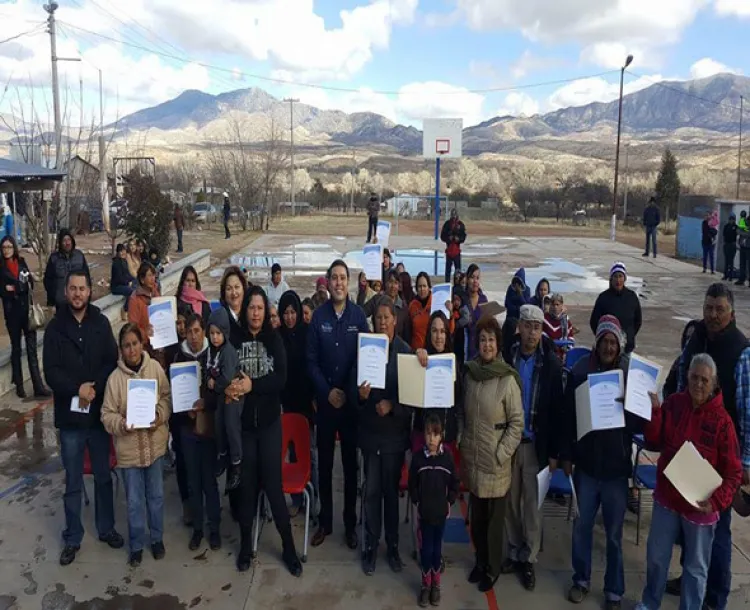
x=204 y=212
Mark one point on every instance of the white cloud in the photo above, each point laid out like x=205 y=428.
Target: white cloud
x=528 y=62
x=518 y=104
x=740 y=8
x=703 y=68
x=612 y=55
x=597 y=89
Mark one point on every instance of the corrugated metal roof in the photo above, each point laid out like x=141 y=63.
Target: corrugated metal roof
x=12 y=171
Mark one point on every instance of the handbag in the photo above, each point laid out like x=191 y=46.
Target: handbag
x=37 y=317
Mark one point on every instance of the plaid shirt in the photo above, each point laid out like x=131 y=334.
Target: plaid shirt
x=742 y=379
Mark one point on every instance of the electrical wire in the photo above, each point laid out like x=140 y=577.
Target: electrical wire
x=35 y=30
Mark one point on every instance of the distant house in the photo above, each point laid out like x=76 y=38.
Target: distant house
x=213 y=194
x=80 y=192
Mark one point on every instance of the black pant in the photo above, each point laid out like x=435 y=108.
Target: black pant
x=455 y=262
x=331 y=421
x=261 y=469
x=382 y=475
x=729 y=253
x=19 y=327
x=372 y=228
x=487 y=521
x=227 y=234
x=744 y=260
x=179 y=240
x=200 y=463
x=176 y=422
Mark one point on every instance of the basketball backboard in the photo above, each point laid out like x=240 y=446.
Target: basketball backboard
x=442 y=138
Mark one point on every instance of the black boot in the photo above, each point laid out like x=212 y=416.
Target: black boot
x=16 y=372
x=245 y=556
x=40 y=391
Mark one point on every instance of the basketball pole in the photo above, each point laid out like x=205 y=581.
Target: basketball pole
x=437 y=195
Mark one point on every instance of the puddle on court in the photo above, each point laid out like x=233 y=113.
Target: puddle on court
x=27 y=441
x=567 y=277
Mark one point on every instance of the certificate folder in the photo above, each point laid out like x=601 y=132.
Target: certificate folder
x=413 y=380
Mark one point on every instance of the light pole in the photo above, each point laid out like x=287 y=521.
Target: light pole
x=613 y=227
x=291 y=101
x=739 y=151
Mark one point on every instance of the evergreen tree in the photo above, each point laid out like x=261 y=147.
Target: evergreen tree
x=150 y=213
x=668 y=184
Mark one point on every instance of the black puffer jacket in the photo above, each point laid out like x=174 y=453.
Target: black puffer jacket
x=16 y=302
x=624 y=306
x=58 y=267
x=263 y=359
x=297 y=396
x=433 y=484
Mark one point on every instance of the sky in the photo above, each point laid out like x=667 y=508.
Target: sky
x=405 y=59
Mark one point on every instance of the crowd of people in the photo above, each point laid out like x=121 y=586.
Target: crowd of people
x=270 y=351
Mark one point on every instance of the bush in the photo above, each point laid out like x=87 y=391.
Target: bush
x=150 y=213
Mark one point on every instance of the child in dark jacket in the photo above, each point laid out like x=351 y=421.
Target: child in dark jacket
x=222 y=367
x=433 y=487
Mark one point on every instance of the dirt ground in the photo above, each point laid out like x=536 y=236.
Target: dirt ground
x=96 y=246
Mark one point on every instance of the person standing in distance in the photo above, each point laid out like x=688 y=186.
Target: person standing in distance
x=453 y=235
x=620 y=302
x=373 y=210
x=651 y=220
x=227 y=212
x=179 y=224
x=331 y=358
x=79 y=354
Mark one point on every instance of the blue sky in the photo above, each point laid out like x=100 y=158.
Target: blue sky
x=406 y=59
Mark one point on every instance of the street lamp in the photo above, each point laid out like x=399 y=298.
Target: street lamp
x=613 y=227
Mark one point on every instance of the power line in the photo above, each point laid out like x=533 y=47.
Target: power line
x=36 y=30
x=282 y=81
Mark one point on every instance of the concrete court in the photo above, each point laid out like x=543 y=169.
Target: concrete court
x=31 y=479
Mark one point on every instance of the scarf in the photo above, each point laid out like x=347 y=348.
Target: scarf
x=498 y=368
x=12 y=265
x=193 y=297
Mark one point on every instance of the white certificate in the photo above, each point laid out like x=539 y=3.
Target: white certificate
x=574 y=508
x=543 y=479
x=372 y=261
x=597 y=404
x=383 y=232
x=372 y=358
x=692 y=475
x=141 y=403
x=75 y=405
x=439 y=383
x=161 y=315
x=643 y=376
x=184 y=378
x=440 y=294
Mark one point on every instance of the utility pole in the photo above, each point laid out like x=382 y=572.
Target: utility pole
x=103 y=190
x=351 y=195
x=613 y=227
x=52 y=29
x=739 y=153
x=291 y=101
x=627 y=183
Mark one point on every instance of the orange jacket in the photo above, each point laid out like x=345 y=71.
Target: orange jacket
x=420 y=322
x=138 y=311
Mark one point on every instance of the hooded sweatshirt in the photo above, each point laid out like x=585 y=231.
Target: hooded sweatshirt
x=298 y=392
x=59 y=265
x=222 y=363
x=711 y=430
x=513 y=300
x=537 y=299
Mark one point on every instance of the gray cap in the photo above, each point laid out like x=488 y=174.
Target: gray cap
x=531 y=313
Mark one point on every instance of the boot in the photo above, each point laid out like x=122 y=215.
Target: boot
x=245 y=556
x=435 y=588
x=40 y=391
x=424 y=591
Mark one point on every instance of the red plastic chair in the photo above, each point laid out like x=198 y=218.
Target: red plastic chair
x=296 y=476
x=112 y=467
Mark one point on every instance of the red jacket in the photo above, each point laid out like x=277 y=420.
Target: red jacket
x=711 y=430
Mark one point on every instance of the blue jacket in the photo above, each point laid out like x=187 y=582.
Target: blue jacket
x=332 y=351
x=513 y=300
x=651 y=216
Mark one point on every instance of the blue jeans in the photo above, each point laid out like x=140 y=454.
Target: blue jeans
x=123 y=291
x=708 y=257
x=144 y=490
x=179 y=240
x=200 y=462
x=73 y=443
x=651 y=237
x=612 y=496
x=431 y=548
x=720 y=569
x=666 y=526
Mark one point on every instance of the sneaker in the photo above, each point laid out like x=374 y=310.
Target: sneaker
x=394 y=560
x=233 y=480
x=577 y=594
x=528 y=576
x=135 y=559
x=674 y=586
x=195 y=540
x=68 y=554
x=644 y=254
x=424 y=597
x=435 y=595
x=113 y=539
x=369 y=559
x=214 y=541
x=158 y=550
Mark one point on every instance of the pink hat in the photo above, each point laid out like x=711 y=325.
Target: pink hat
x=322 y=281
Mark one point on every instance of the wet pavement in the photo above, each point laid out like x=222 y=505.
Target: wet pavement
x=32 y=481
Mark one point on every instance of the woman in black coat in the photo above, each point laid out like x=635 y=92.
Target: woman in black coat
x=16 y=286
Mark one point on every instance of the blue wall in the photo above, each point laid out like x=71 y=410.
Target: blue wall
x=689 y=237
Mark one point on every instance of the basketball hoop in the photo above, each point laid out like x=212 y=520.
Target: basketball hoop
x=442 y=146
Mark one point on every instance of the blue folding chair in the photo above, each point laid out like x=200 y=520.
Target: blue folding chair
x=574 y=355
x=644 y=477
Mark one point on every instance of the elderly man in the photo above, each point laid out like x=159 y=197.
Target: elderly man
x=718 y=336
x=533 y=356
x=620 y=302
x=603 y=461
x=383 y=437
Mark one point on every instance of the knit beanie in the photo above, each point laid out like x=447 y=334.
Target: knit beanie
x=609 y=324
x=618 y=267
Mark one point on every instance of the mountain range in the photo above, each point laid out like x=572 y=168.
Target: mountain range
x=699 y=109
